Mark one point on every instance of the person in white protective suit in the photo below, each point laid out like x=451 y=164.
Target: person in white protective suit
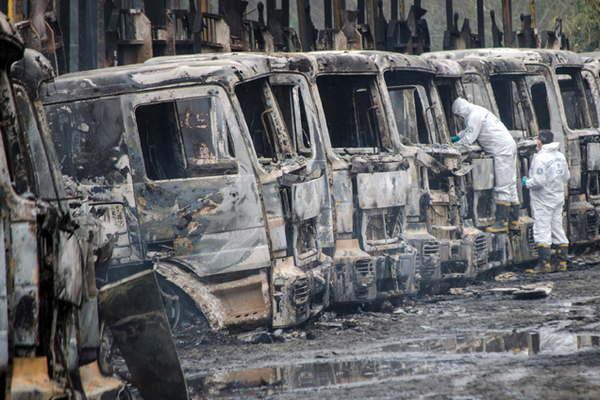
x=484 y=127
x=548 y=175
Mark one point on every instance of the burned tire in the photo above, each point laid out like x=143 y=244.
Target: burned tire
x=179 y=308
x=172 y=301
x=105 y=351
x=125 y=394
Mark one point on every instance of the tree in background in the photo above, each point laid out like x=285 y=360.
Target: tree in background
x=582 y=25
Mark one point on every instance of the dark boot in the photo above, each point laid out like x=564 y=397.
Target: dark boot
x=501 y=224
x=545 y=259
x=563 y=257
x=515 y=214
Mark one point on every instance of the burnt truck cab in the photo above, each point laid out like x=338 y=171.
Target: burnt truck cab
x=591 y=76
x=413 y=107
x=49 y=325
x=558 y=92
x=357 y=276
x=372 y=176
x=199 y=174
x=500 y=85
x=477 y=184
x=591 y=84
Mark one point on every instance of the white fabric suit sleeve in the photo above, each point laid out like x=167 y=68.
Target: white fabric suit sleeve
x=474 y=125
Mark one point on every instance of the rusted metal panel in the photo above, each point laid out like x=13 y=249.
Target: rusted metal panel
x=344 y=201
x=68 y=273
x=593 y=156
x=97 y=386
x=4 y=322
x=382 y=189
x=24 y=252
x=308 y=198
x=30 y=380
x=483 y=174
x=134 y=311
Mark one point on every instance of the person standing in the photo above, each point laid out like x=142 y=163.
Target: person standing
x=548 y=175
x=484 y=127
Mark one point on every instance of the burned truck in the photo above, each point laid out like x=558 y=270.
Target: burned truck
x=477 y=184
x=558 y=94
x=200 y=175
x=486 y=80
x=412 y=104
x=372 y=175
x=591 y=82
x=49 y=323
x=360 y=274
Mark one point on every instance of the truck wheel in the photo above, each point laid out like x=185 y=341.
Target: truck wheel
x=105 y=351
x=172 y=301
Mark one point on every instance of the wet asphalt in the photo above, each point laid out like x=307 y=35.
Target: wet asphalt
x=473 y=342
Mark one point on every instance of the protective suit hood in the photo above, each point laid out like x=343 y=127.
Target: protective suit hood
x=462 y=107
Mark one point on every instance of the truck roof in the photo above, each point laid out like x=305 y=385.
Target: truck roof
x=139 y=77
x=553 y=58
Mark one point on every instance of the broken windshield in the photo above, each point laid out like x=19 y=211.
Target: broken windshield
x=539 y=99
x=514 y=107
x=475 y=90
x=265 y=123
x=408 y=113
x=353 y=112
x=84 y=129
x=184 y=138
x=572 y=90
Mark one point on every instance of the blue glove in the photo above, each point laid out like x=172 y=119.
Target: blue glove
x=455 y=139
x=524 y=181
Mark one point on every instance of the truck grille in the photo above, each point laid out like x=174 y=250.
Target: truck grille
x=427 y=260
x=301 y=291
x=365 y=269
x=592 y=223
x=531 y=239
x=481 y=249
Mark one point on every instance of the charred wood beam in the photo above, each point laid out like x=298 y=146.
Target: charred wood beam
x=507 y=22
x=480 y=24
x=327 y=14
x=360 y=8
x=285 y=5
x=449 y=15
x=394 y=10
x=339 y=6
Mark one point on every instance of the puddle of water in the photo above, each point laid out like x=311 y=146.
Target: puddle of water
x=274 y=379
x=529 y=343
x=308 y=375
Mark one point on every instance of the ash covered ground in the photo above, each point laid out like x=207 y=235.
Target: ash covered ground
x=473 y=342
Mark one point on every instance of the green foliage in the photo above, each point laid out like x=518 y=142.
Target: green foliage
x=582 y=25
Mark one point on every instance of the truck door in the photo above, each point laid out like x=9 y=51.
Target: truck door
x=195 y=190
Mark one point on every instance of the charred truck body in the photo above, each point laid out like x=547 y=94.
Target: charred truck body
x=413 y=106
x=202 y=176
x=371 y=179
x=373 y=175
x=486 y=80
x=557 y=90
x=49 y=325
x=477 y=181
x=371 y=261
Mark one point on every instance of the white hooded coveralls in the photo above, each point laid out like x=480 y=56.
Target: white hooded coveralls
x=548 y=175
x=484 y=127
